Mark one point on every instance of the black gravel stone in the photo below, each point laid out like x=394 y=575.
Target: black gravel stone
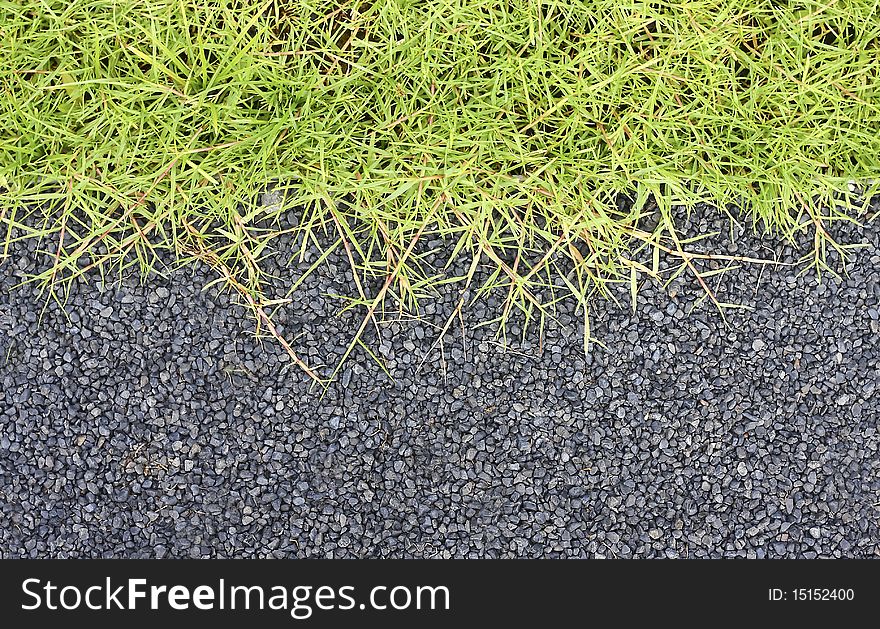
x=144 y=419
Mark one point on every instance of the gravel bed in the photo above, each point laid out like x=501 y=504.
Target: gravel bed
x=144 y=419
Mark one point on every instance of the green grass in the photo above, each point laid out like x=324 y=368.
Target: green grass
x=508 y=128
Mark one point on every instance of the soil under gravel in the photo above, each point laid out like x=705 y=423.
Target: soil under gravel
x=148 y=421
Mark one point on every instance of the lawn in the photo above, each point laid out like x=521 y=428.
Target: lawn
x=554 y=143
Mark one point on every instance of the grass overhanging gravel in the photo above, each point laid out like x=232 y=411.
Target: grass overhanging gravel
x=535 y=136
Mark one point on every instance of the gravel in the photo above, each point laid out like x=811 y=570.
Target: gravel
x=146 y=420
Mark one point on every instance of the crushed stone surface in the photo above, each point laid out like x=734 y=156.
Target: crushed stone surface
x=145 y=419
